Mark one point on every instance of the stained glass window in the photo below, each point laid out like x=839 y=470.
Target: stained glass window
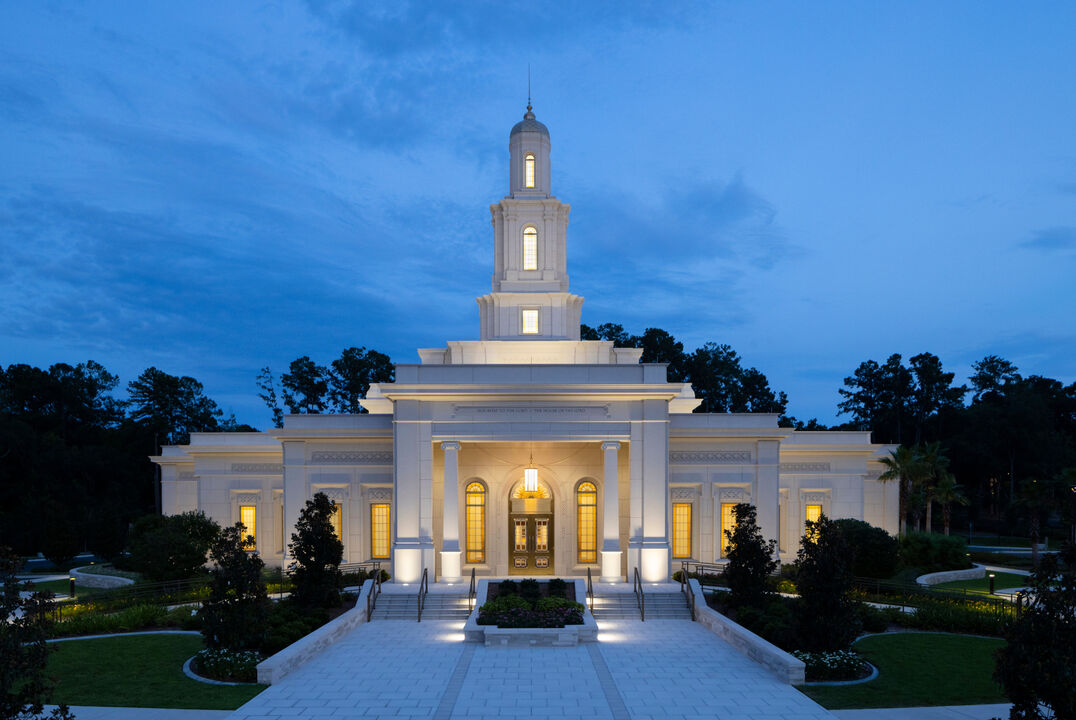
x=530 y=322
x=528 y=163
x=337 y=520
x=728 y=522
x=247 y=516
x=813 y=513
x=587 y=540
x=476 y=523
x=379 y=530
x=681 y=530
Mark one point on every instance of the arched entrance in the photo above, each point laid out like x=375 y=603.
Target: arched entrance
x=530 y=531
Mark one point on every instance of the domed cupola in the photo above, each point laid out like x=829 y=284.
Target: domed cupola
x=528 y=168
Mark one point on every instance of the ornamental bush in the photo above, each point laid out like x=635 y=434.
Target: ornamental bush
x=170 y=547
x=317 y=552
x=874 y=551
x=227 y=665
x=827 y=618
x=830 y=666
x=934 y=552
x=234 y=614
x=751 y=558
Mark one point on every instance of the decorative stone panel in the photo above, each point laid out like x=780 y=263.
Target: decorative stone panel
x=709 y=457
x=351 y=457
x=815 y=498
x=805 y=467
x=683 y=493
x=336 y=494
x=378 y=494
x=258 y=468
x=247 y=498
x=731 y=494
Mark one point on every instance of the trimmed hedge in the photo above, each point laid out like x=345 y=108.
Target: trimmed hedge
x=933 y=552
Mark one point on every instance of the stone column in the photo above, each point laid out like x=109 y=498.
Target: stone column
x=611 y=515
x=412 y=492
x=450 y=519
x=767 y=486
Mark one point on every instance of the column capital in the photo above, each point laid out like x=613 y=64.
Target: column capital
x=450 y=445
x=611 y=445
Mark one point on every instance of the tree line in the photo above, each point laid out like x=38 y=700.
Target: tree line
x=74 y=471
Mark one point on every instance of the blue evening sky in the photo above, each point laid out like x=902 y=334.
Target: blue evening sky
x=215 y=187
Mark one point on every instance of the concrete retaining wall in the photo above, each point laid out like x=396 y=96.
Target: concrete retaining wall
x=952 y=575
x=273 y=669
x=783 y=665
x=93 y=580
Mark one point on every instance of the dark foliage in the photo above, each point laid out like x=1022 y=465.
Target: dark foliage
x=288 y=622
x=827 y=618
x=875 y=552
x=23 y=650
x=1037 y=667
x=751 y=558
x=933 y=552
x=509 y=587
x=311 y=388
x=171 y=547
x=317 y=553
x=234 y=614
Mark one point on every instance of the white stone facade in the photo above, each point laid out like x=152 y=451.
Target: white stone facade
x=530 y=393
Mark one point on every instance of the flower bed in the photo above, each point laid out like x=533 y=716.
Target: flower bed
x=534 y=607
x=829 y=666
x=227 y=665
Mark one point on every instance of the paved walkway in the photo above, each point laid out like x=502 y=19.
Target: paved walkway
x=661 y=668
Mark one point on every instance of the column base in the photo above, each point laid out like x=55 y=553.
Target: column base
x=409 y=561
x=450 y=567
x=611 y=567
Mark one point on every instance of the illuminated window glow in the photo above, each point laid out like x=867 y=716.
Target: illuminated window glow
x=247 y=516
x=541 y=535
x=528 y=164
x=587 y=519
x=813 y=513
x=681 y=530
x=530 y=249
x=521 y=537
x=476 y=523
x=337 y=521
x=530 y=322
x=379 y=530
x=728 y=522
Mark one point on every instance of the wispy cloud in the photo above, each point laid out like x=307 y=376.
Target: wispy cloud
x=1052 y=239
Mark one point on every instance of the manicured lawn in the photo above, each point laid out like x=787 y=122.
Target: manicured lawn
x=137 y=671
x=1002 y=580
x=62 y=587
x=917 y=669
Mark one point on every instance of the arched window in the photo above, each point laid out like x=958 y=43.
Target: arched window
x=476 y=522
x=528 y=165
x=530 y=249
x=586 y=500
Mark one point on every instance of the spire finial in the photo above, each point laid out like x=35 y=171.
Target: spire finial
x=529 y=108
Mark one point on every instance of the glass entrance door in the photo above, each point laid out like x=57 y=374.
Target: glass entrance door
x=531 y=544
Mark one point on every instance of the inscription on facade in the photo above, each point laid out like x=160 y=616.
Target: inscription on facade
x=545 y=412
x=357 y=457
x=711 y=457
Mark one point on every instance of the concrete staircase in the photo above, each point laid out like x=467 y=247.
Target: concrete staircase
x=438 y=606
x=623 y=605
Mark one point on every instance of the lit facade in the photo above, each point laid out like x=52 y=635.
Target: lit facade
x=530 y=451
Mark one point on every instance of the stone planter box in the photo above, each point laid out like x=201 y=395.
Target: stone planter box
x=951 y=575
x=493 y=636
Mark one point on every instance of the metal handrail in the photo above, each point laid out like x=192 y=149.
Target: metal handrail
x=640 y=598
x=371 y=599
x=685 y=587
x=590 y=591
x=423 y=588
x=473 y=592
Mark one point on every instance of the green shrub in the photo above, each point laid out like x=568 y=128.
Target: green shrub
x=508 y=587
x=934 y=552
x=557 y=587
x=751 y=558
x=826 y=614
x=286 y=623
x=875 y=552
x=234 y=614
x=171 y=547
x=774 y=622
x=827 y=666
x=529 y=589
x=970 y=618
x=556 y=603
x=137 y=617
x=503 y=603
x=872 y=619
x=317 y=552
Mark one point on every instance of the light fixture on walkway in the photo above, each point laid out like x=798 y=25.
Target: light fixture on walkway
x=530 y=477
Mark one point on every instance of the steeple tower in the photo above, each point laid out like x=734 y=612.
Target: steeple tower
x=530 y=298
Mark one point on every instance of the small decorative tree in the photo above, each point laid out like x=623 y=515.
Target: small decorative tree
x=827 y=617
x=751 y=558
x=317 y=552
x=1037 y=666
x=235 y=613
x=23 y=650
x=171 y=547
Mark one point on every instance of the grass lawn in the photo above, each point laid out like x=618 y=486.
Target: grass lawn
x=1002 y=580
x=62 y=587
x=137 y=671
x=918 y=669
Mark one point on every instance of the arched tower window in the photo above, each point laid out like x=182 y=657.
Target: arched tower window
x=530 y=249
x=476 y=522
x=586 y=501
x=528 y=166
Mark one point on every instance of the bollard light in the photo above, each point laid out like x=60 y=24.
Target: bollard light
x=71 y=580
x=991 y=583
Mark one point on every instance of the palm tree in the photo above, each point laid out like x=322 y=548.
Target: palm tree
x=947 y=493
x=935 y=467
x=905 y=466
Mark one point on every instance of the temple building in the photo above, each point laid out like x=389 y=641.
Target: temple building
x=529 y=451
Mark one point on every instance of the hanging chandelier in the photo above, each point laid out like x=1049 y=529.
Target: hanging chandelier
x=530 y=480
